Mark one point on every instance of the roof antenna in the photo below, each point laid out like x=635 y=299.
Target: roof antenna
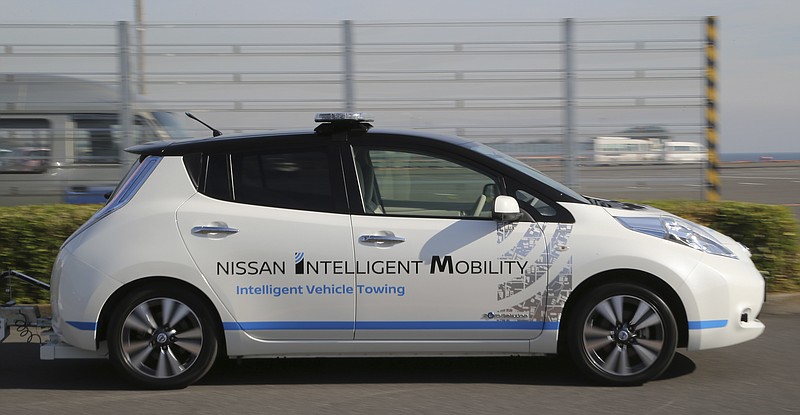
x=214 y=131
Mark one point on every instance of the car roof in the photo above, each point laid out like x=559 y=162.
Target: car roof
x=358 y=133
x=242 y=142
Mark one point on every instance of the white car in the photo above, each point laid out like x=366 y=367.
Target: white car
x=356 y=241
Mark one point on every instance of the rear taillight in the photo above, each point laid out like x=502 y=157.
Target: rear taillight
x=124 y=192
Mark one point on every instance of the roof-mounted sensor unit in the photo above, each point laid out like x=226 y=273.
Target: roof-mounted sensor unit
x=336 y=122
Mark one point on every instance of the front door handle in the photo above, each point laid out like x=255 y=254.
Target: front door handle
x=381 y=239
x=213 y=230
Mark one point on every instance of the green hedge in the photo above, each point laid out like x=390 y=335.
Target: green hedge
x=31 y=235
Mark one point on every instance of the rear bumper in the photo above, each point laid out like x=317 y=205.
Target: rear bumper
x=56 y=349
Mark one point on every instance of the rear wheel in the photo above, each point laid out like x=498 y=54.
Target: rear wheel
x=162 y=338
x=622 y=334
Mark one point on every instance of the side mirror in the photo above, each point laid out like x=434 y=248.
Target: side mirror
x=506 y=209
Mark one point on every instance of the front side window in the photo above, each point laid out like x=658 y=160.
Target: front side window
x=524 y=168
x=413 y=184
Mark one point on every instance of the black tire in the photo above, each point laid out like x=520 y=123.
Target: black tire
x=162 y=338
x=622 y=334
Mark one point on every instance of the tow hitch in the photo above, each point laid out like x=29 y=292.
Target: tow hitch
x=23 y=317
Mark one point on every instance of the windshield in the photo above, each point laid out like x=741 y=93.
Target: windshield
x=518 y=165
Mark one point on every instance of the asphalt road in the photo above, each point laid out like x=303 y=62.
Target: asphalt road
x=754 y=377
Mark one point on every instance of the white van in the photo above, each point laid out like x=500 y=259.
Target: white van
x=685 y=152
x=625 y=150
x=61 y=140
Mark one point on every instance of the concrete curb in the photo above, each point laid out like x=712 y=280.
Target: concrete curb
x=782 y=303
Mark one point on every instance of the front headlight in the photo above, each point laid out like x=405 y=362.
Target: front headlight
x=677 y=230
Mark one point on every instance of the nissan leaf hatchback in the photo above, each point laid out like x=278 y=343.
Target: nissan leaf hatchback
x=356 y=241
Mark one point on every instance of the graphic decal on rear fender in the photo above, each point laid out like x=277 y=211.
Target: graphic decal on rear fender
x=546 y=303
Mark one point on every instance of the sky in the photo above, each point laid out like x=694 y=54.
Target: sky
x=759 y=41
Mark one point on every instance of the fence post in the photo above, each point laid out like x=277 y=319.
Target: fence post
x=570 y=173
x=712 y=167
x=349 y=99
x=125 y=95
x=140 y=85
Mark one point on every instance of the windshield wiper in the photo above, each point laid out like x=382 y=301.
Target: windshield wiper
x=613 y=203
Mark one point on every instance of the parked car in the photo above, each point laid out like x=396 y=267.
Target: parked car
x=24 y=160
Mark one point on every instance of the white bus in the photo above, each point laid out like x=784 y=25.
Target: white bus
x=61 y=139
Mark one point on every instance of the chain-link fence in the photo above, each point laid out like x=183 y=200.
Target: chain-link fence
x=543 y=91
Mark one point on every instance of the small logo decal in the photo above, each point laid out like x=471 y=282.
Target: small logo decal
x=299 y=263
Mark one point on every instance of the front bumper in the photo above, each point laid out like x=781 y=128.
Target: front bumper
x=728 y=297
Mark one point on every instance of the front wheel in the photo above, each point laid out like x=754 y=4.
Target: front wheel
x=622 y=334
x=162 y=338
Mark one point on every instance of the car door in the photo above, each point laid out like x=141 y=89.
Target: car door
x=271 y=234
x=431 y=262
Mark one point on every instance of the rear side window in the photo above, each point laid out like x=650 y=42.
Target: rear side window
x=292 y=177
x=293 y=180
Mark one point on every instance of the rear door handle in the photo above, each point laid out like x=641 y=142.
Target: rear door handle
x=213 y=230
